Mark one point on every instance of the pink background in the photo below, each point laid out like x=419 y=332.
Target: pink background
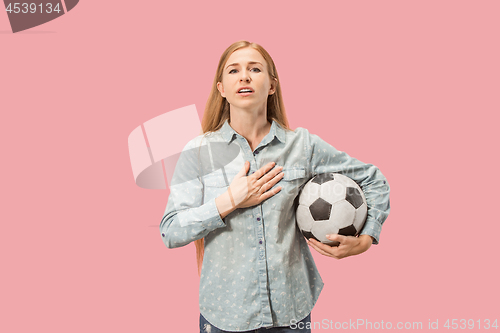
x=412 y=87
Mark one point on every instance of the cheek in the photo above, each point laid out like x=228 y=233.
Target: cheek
x=265 y=84
x=226 y=84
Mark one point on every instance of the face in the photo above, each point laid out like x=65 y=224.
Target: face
x=246 y=68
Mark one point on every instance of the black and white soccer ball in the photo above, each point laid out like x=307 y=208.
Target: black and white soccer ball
x=331 y=203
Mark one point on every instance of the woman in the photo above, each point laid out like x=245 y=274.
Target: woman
x=256 y=270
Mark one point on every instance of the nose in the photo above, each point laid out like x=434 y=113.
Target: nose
x=244 y=76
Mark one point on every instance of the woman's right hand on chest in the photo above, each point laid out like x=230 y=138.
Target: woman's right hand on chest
x=247 y=191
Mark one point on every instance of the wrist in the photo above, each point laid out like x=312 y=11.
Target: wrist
x=365 y=241
x=224 y=204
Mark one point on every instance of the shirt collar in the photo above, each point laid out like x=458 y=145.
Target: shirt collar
x=277 y=131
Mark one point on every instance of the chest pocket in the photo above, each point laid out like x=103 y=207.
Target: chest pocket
x=291 y=184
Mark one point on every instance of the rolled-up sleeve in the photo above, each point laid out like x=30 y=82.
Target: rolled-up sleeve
x=324 y=158
x=187 y=218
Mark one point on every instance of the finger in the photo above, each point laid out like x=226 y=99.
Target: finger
x=332 y=251
x=277 y=177
x=315 y=245
x=269 y=193
x=271 y=177
x=262 y=171
x=244 y=170
x=262 y=188
x=269 y=184
x=327 y=248
x=337 y=251
x=336 y=237
x=247 y=166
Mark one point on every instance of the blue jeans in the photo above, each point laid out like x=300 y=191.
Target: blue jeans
x=206 y=327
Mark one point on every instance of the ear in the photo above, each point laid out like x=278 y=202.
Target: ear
x=220 y=87
x=274 y=82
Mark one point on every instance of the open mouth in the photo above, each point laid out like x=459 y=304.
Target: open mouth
x=245 y=91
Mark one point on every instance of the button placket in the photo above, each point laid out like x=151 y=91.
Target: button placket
x=260 y=238
x=262 y=267
x=261 y=261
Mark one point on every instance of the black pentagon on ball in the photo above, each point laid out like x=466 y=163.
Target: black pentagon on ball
x=322 y=178
x=320 y=209
x=308 y=234
x=348 y=231
x=354 y=197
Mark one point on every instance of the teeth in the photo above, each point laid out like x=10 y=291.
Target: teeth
x=245 y=90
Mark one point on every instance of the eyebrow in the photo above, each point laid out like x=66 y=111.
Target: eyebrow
x=250 y=63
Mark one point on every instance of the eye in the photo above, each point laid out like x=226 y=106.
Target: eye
x=255 y=69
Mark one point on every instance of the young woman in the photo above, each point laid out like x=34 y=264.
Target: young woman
x=233 y=194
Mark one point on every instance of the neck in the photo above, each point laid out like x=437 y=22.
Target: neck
x=253 y=126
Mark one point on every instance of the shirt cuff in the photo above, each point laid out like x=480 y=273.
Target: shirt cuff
x=214 y=221
x=372 y=228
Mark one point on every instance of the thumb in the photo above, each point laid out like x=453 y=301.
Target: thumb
x=244 y=170
x=336 y=237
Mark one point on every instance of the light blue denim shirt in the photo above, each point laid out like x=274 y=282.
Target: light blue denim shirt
x=257 y=269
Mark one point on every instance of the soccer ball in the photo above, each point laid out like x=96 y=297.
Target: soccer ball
x=331 y=203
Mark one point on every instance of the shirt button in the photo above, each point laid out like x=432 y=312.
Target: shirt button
x=256 y=152
x=258 y=219
x=260 y=242
x=162 y=234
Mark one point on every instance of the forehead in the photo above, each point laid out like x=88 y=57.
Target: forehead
x=245 y=55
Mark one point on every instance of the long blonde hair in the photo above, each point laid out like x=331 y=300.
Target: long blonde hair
x=217 y=109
